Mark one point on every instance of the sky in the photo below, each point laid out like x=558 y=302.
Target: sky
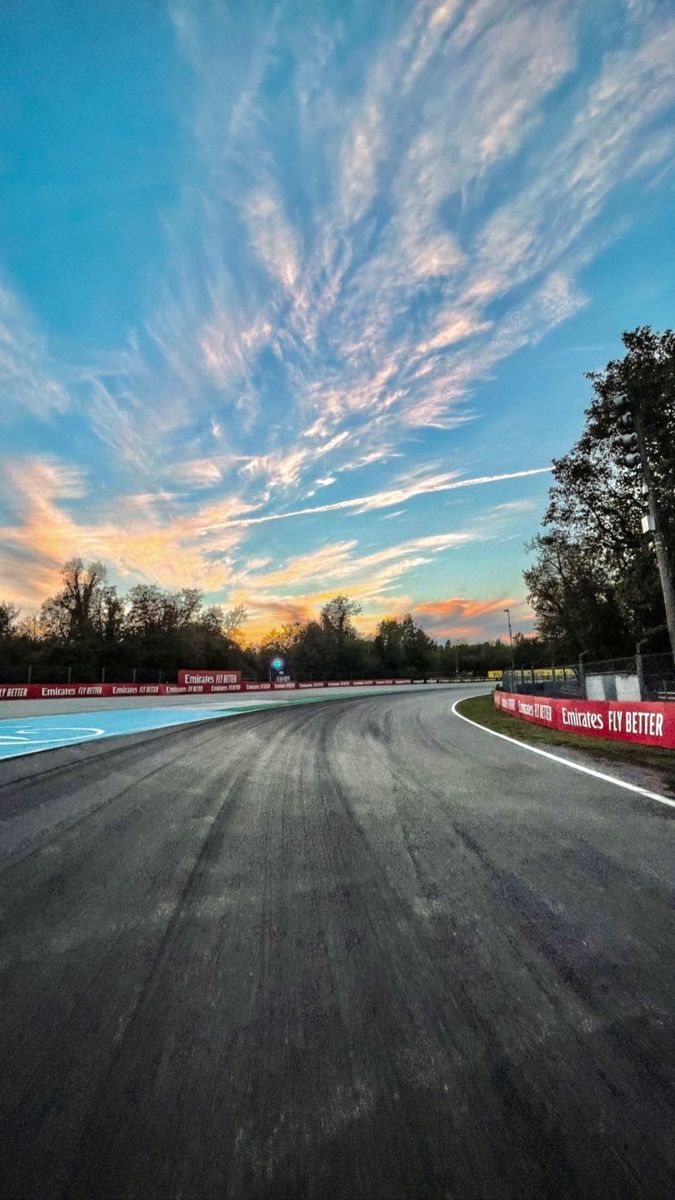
x=297 y=298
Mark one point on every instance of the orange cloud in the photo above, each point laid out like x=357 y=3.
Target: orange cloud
x=150 y=539
x=459 y=617
x=461 y=607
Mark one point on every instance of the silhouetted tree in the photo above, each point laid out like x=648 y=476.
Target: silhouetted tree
x=594 y=583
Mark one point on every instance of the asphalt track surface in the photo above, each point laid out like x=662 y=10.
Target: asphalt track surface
x=41 y=725
x=359 y=949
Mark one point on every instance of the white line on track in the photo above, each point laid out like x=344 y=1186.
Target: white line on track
x=566 y=762
x=26 y=735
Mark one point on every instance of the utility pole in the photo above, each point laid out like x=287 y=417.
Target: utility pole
x=652 y=524
x=456 y=659
x=513 y=665
x=651 y=521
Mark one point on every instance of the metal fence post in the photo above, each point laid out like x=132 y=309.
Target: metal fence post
x=582 y=674
x=70 y=674
x=30 y=673
x=133 y=678
x=102 y=674
x=639 y=666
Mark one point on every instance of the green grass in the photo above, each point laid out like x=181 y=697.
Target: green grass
x=649 y=758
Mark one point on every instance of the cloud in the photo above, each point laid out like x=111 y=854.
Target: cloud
x=372 y=577
x=377 y=310
x=150 y=539
x=363 y=504
x=272 y=237
x=29 y=379
x=461 y=618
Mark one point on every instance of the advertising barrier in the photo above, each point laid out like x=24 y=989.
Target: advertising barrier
x=186 y=686
x=67 y=691
x=197 y=676
x=644 y=723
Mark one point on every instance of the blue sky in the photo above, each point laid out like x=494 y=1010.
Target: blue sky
x=297 y=298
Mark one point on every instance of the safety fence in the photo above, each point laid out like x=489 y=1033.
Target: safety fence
x=557 y=681
x=647 y=724
x=51 y=691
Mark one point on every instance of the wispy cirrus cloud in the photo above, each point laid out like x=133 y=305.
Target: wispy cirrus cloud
x=376 y=308
x=385 y=499
x=31 y=381
x=373 y=578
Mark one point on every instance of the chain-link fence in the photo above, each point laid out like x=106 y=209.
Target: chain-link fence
x=635 y=677
x=657 y=672
x=557 y=682
x=78 y=673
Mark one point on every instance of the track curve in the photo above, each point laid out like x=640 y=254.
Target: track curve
x=352 y=949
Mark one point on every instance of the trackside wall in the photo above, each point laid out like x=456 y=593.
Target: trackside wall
x=69 y=691
x=646 y=724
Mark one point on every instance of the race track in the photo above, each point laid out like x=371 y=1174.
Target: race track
x=358 y=949
x=33 y=726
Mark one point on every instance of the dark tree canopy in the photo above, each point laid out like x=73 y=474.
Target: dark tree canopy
x=594 y=584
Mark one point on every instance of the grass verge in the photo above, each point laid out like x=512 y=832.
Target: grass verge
x=660 y=764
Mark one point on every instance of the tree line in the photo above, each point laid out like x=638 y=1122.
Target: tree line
x=89 y=629
x=594 y=583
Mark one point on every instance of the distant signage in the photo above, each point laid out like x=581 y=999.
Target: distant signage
x=537 y=672
x=187 y=677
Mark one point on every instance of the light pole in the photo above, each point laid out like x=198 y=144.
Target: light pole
x=513 y=665
x=653 y=525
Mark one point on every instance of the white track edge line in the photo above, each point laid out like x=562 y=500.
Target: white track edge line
x=566 y=762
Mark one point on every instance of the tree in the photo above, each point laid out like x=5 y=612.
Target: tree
x=389 y=646
x=575 y=602
x=403 y=647
x=336 y=616
x=309 y=654
x=418 y=648
x=9 y=616
x=69 y=616
x=340 y=636
x=233 y=619
x=109 y=616
x=594 y=584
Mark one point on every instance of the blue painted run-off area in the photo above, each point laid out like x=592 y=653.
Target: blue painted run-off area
x=28 y=735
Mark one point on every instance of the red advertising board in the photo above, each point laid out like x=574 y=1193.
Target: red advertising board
x=68 y=691
x=223 y=681
x=199 y=676
x=645 y=723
